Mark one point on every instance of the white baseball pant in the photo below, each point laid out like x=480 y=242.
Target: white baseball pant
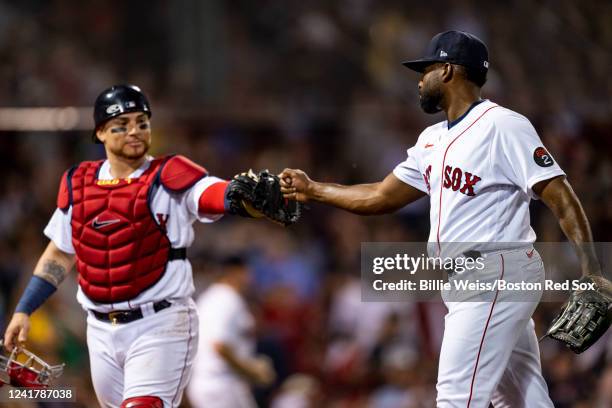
x=151 y=356
x=490 y=351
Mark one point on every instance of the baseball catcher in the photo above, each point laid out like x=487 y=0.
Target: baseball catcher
x=585 y=317
x=126 y=223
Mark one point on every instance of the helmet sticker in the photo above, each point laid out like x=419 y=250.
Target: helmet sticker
x=113 y=109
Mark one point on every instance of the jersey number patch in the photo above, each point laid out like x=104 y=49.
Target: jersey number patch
x=542 y=157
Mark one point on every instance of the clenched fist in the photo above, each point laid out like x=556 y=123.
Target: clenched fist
x=296 y=185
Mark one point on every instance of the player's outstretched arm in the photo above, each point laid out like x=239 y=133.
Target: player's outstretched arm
x=383 y=197
x=559 y=196
x=50 y=271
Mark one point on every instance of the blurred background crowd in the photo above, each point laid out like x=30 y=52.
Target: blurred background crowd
x=315 y=85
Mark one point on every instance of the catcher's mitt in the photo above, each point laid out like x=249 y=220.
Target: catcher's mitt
x=585 y=317
x=256 y=195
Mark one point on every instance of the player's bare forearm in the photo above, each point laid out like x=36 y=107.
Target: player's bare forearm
x=559 y=196
x=54 y=265
x=362 y=199
x=49 y=273
x=383 y=197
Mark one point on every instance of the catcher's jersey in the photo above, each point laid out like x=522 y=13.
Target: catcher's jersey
x=479 y=173
x=178 y=211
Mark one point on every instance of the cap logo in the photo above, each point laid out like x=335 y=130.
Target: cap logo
x=486 y=64
x=130 y=104
x=113 y=109
x=443 y=53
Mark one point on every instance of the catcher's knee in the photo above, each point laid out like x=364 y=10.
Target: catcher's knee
x=143 y=402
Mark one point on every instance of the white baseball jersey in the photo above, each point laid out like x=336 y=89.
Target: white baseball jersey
x=479 y=173
x=227 y=320
x=181 y=211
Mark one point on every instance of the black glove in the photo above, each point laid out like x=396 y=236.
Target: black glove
x=259 y=195
x=585 y=317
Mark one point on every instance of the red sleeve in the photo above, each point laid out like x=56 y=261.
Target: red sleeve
x=212 y=200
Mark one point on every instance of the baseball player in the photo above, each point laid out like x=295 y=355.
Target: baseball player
x=126 y=223
x=226 y=357
x=480 y=168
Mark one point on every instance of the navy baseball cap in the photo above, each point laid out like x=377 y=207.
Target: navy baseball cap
x=455 y=47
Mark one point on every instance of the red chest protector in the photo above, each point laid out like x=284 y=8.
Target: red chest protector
x=121 y=249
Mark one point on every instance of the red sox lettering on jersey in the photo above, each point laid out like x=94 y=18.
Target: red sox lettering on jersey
x=479 y=170
x=479 y=173
x=455 y=179
x=426 y=176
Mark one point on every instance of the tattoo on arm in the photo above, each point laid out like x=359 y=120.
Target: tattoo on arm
x=53 y=272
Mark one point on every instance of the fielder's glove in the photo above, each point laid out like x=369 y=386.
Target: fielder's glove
x=259 y=195
x=585 y=317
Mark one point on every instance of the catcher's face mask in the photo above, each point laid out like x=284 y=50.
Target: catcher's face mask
x=22 y=368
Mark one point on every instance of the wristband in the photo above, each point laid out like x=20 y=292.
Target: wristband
x=35 y=294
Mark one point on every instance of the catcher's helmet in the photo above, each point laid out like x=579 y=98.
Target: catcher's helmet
x=30 y=371
x=117 y=100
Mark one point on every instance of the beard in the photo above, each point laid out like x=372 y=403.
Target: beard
x=131 y=152
x=431 y=101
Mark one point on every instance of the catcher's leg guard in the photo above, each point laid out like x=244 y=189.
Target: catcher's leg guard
x=143 y=402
